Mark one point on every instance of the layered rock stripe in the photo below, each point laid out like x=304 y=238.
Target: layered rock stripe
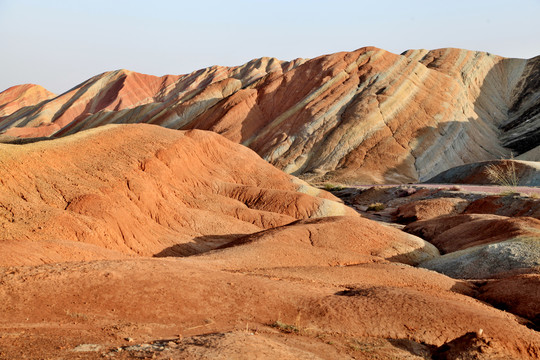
x=365 y=116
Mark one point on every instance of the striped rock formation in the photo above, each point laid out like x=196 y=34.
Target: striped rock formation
x=20 y=96
x=365 y=116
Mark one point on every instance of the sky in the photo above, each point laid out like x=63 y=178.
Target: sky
x=59 y=44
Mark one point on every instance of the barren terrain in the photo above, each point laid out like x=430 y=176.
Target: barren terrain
x=129 y=230
x=138 y=241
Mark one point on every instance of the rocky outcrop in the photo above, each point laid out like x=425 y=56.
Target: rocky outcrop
x=479 y=246
x=365 y=116
x=428 y=209
x=510 y=205
x=522 y=127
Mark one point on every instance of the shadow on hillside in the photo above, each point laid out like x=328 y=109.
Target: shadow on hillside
x=199 y=245
x=23 y=141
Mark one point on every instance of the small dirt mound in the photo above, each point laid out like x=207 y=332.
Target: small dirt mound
x=428 y=209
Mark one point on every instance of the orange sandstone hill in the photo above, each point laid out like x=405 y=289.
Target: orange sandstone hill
x=364 y=116
x=131 y=190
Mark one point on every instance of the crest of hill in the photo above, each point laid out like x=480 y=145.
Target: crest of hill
x=366 y=116
x=19 y=96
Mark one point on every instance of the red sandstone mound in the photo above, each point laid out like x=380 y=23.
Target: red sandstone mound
x=431 y=228
x=428 y=209
x=452 y=233
x=473 y=346
x=364 y=116
x=331 y=240
x=17 y=97
x=129 y=190
x=506 y=206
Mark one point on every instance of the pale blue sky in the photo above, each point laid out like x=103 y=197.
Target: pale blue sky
x=59 y=44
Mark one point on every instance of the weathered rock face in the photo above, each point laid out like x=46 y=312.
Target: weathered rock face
x=363 y=116
x=480 y=246
x=522 y=128
x=129 y=190
x=124 y=96
x=505 y=206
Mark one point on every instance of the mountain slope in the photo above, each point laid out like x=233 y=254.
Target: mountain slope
x=364 y=116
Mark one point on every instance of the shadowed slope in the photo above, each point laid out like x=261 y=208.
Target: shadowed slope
x=525 y=173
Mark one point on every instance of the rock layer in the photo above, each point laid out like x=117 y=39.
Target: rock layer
x=485 y=261
x=364 y=116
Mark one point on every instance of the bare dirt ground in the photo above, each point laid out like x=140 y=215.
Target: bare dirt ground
x=221 y=304
x=184 y=308
x=483 y=189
